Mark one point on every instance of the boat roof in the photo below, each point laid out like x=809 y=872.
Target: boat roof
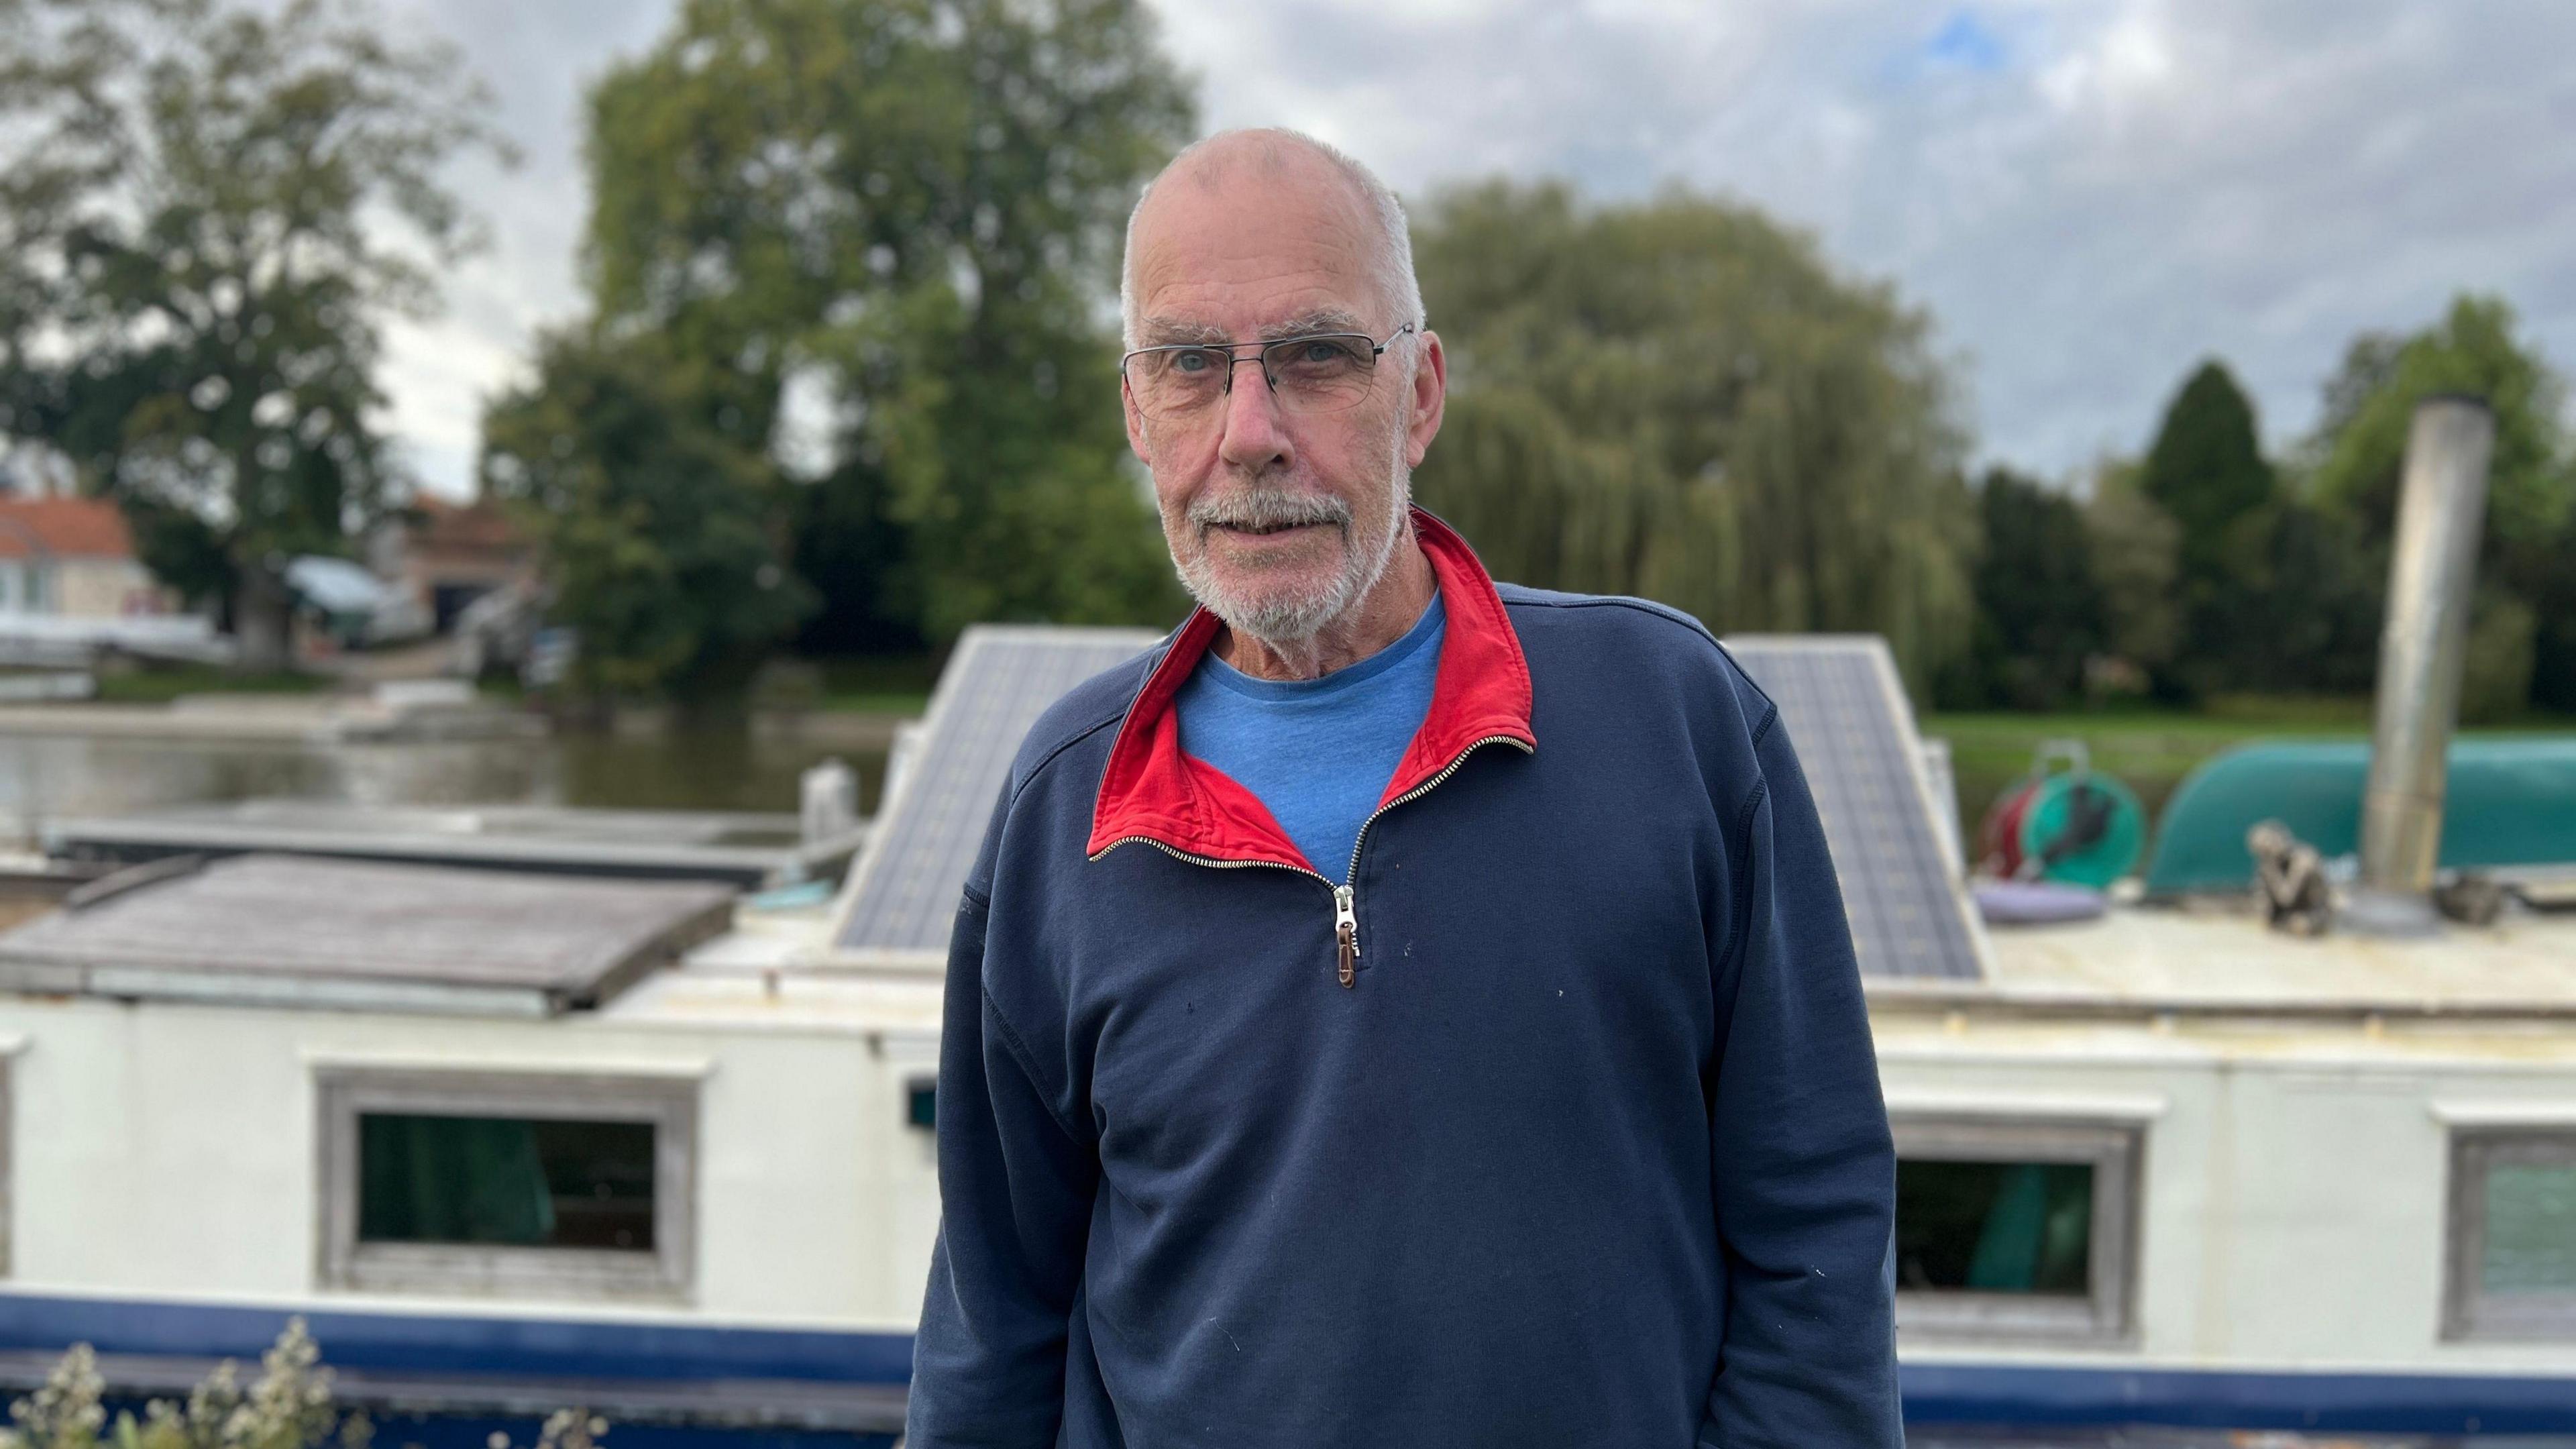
x=281 y=930
x=741 y=848
x=2149 y=960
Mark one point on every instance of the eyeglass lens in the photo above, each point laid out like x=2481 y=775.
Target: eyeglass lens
x=1307 y=374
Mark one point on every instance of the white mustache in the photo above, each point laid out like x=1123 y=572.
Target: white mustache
x=1265 y=508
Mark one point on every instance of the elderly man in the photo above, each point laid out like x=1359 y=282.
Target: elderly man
x=1401 y=1010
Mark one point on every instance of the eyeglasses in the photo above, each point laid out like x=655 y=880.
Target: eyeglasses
x=1324 y=372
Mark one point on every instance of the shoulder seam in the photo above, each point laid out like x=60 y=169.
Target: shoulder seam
x=1069 y=741
x=1648 y=607
x=1679 y=619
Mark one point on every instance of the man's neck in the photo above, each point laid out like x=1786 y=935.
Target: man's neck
x=1380 y=618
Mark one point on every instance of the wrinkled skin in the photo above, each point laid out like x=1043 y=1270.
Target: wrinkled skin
x=1292 y=528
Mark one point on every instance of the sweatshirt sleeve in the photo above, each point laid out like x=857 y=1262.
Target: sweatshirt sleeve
x=1804 y=1165
x=1015 y=1185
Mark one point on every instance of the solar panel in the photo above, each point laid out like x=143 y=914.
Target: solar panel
x=1846 y=712
x=902 y=893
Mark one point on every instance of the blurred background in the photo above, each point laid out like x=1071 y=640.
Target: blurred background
x=2068 y=346
x=577 y=434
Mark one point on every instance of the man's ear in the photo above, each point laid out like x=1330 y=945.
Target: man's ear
x=1135 y=424
x=1430 y=399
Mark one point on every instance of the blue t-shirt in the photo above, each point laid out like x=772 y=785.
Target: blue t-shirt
x=1317 y=752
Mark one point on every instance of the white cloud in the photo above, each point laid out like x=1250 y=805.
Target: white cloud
x=2089 y=195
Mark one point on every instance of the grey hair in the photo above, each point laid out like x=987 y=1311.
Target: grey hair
x=1390 y=255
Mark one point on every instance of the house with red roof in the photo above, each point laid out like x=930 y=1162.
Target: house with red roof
x=74 y=558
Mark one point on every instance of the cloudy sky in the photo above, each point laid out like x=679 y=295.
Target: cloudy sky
x=2088 y=195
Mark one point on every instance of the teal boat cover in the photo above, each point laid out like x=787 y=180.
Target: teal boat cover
x=2510 y=802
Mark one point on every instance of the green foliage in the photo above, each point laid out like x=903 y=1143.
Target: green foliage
x=1679 y=399
x=917 y=203
x=2495 y=679
x=2207 y=472
x=2040 y=608
x=2298 y=605
x=2359 y=455
x=162 y=683
x=661 y=525
x=195 y=250
x=2135 y=551
x=2206 y=468
x=2553 y=644
x=2357 y=463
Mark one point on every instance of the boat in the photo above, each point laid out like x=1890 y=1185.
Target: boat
x=2163 y=1170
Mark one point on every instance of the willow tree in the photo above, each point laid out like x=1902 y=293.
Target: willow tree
x=1680 y=399
x=207 y=212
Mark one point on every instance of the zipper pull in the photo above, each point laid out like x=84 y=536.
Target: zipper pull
x=1346 y=934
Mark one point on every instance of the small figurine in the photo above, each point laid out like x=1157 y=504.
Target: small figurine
x=2290 y=881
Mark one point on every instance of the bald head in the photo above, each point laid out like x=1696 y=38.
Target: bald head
x=1286 y=168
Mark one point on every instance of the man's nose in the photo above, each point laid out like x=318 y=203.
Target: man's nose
x=1254 y=439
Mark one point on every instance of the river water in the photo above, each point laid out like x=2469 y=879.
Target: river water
x=49 y=777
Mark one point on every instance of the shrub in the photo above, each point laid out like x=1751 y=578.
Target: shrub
x=287 y=1407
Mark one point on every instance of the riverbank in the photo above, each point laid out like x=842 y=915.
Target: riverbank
x=2150 y=750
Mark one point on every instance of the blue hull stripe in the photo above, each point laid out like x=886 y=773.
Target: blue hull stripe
x=426 y=1343
x=1940 y=1393
x=2221 y=1399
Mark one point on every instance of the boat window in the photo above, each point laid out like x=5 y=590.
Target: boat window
x=2512 y=1249
x=535 y=1184
x=2010 y=1228
x=529 y=1181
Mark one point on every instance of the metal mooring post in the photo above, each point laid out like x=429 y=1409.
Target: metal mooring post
x=2423 y=647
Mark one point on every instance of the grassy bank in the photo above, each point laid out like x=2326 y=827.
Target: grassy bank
x=162 y=684
x=2151 y=750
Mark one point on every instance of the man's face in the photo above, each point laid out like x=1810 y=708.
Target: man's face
x=1279 y=520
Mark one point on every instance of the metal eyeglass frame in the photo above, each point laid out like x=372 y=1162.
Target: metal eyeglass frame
x=1261 y=350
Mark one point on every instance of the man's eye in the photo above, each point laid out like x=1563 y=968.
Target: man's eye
x=1323 y=352
x=1191 y=364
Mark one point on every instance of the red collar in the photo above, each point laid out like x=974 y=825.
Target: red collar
x=1152 y=791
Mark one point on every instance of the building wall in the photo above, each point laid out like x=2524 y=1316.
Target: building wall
x=108 y=588
x=82 y=588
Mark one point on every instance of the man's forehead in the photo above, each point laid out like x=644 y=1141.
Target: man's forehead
x=1165 y=328
x=1252 y=250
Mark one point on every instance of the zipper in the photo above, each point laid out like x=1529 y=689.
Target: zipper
x=1346 y=921
x=1346 y=937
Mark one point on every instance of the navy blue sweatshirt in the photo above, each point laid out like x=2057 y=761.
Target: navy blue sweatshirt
x=1561 y=1127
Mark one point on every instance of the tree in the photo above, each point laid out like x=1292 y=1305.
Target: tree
x=2306 y=603
x=2040 y=613
x=2358 y=457
x=2135 y=548
x=1680 y=399
x=2206 y=467
x=661 y=530
x=2526 y=613
x=2207 y=472
x=916 y=203
x=195 y=259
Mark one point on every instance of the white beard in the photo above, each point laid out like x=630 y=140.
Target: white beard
x=1287 y=622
